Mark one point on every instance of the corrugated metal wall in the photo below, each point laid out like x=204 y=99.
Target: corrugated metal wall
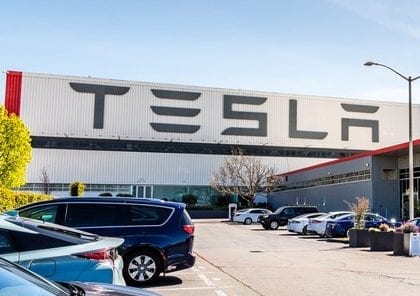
x=327 y=198
x=51 y=107
x=105 y=167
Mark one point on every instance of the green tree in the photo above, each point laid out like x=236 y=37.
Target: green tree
x=77 y=188
x=15 y=149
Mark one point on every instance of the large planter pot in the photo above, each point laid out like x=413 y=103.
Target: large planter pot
x=401 y=244
x=359 y=238
x=381 y=240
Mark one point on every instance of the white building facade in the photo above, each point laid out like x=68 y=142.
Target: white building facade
x=162 y=141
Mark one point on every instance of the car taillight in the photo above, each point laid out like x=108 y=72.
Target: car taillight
x=105 y=254
x=189 y=228
x=316 y=221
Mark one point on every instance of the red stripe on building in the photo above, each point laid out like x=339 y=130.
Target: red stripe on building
x=398 y=147
x=13 y=92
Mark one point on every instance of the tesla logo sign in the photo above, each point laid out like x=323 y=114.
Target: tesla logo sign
x=100 y=92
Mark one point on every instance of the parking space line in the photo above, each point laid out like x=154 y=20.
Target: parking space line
x=220 y=293
x=206 y=280
x=191 y=288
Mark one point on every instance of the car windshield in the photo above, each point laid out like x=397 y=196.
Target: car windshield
x=346 y=217
x=278 y=211
x=303 y=216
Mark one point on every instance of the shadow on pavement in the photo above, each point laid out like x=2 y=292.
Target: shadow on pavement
x=163 y=281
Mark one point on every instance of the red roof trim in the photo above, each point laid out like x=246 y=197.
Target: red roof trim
x=356 y=156
x=13 y=92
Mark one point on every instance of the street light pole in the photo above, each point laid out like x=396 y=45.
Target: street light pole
x=410 y=138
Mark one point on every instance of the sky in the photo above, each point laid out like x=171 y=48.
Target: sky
x=308 y=47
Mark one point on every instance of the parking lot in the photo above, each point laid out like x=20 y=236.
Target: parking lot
x=236 y=259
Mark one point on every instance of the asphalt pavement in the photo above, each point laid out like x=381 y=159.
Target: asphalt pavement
x=236 y=259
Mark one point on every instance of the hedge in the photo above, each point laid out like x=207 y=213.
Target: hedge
x=10 y=200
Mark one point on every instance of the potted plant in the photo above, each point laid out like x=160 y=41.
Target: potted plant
x=359 y=236
x=382 y=238
x=401 y=243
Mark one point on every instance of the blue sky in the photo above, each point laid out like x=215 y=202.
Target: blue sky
x=310 y=47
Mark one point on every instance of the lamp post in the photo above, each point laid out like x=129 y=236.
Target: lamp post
x=410 y=138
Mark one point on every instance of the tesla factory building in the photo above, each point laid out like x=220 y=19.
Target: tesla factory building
x=162 y=140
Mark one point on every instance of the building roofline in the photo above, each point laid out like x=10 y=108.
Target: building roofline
x=377 y=152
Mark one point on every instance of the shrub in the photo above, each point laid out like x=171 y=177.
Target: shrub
x=77 y=188
x=189 y=199
x=124 y=194
x=10 y=200
x=360 y=209
x=408 y=228
x=223 y=200
x=384 y=227
x=105 y=194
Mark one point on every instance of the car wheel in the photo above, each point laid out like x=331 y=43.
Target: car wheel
x=248 y=221
x=305 y=230
x=141 y=267
x=274 y=225
x=348 y=233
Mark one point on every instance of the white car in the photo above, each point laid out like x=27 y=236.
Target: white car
x=319 y=224
x=299 y=224
x=248 y=216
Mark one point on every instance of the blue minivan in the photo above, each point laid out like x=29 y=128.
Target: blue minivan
x=158 y=235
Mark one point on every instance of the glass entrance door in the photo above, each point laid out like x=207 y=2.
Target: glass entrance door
x=144 y=191
x=405 y=214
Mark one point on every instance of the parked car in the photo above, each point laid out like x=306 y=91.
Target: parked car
x=318 y=225
x=60 y=253
x=299 y=224
x=158 y=234
x=282 y=214
x=248 y=216
x=415 y=221
x=341 y=225
x=17 y=280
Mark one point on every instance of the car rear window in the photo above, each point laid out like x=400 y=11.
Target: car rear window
x=148 y=215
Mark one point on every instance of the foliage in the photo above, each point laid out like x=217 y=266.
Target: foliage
x=360 y=208
x=408 y=228
x=124 y=194
x=15 y=149
x=77 y=188
x=105 y=194
x=243 y=176
x=189 y=199
x=13 y=199
x=384 y=227
x=223 y=200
